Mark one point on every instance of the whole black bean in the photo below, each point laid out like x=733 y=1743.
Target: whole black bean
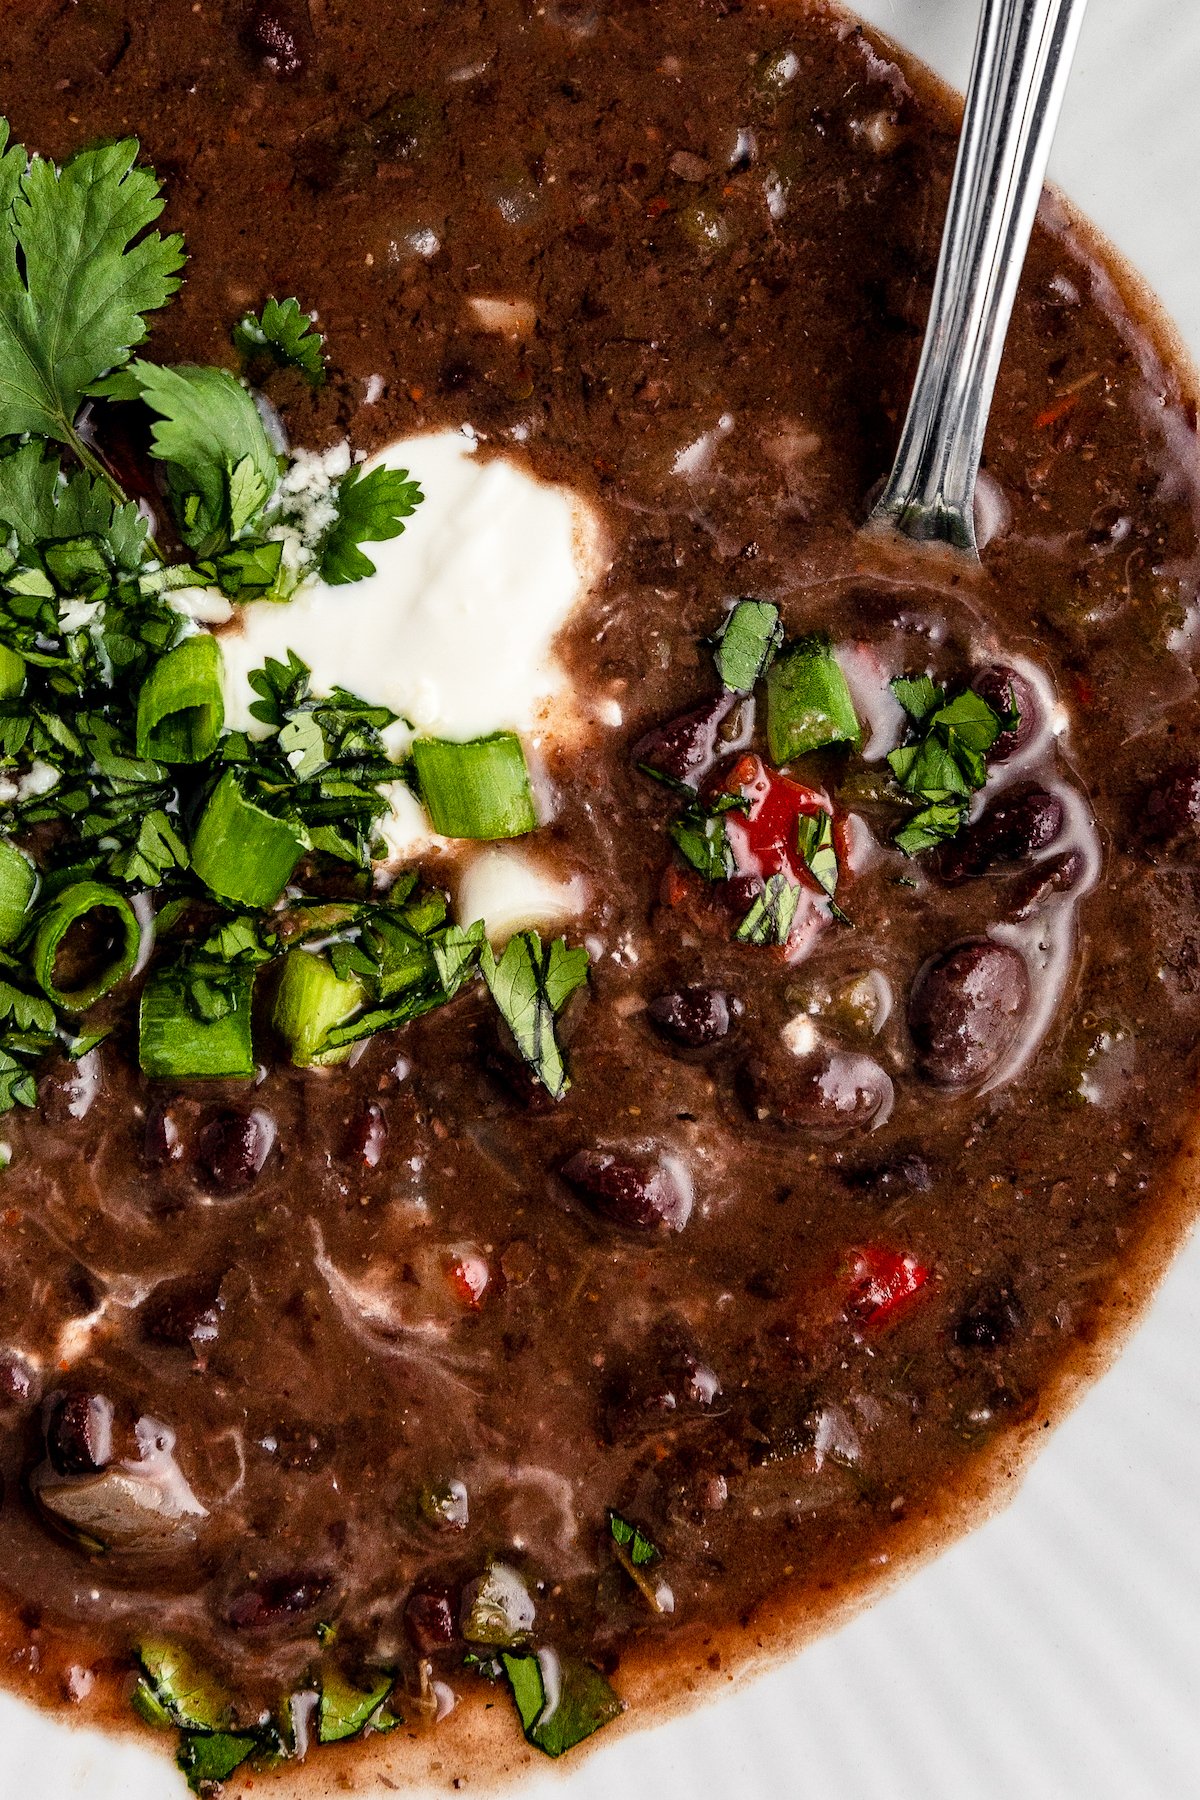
x=989 y=1319
x=1169 y=811
x=1006 y=692
x=268 y=1601
x=1014 y=827
x=278 y=33
x=639 y=1191
x=686 y=748
x=18 y=1381
x=79 y=1433
x=692 y=1017
x=232 y=1148
x=905 y=1172
x=430 y=1619
x=965 y=1010
x=830 y=1092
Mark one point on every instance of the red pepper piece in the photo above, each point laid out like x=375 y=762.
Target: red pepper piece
x=468 y=1276
x=764 y=839
x=883 y=1283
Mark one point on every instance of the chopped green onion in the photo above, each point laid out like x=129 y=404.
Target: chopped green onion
x=241 y=851
x=12 y=673
x=18 y=884
x=808 y=702
x=67 y=909
x=479 y=789
x=180 y=709
x=311 y=1000
x=746 y=644
x=174 y=1043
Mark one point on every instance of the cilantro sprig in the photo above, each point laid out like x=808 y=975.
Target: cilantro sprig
x=944 y=763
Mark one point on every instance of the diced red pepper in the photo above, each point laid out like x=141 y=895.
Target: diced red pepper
x=764 y=839
x=883 y=1283
x=468 y=1276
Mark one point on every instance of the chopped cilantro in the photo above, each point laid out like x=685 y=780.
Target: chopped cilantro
x=769 y=920
x=346 y=1709
x=371 y=509
x=633 y=1540
x=207 y=1757
x=945 y=764
x=285 y=335
x=531 y=983
x=747 y=643
x=584 y=1700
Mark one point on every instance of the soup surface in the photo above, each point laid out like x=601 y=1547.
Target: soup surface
x=334 y=1394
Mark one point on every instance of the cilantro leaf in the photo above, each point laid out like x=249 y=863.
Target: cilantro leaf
x=701 y=838
x=920 y=697
x=946 y=765
x=154 y=853
x=78 y=272
x=371 y=509
x=633 y=1540
x=933 y=825
x=211 y=1757
x=38 y=506
x=221 y=469
x=769 y=920
x=747 y=643
x=530 y=984
x=345 y=1709
x=286 y=336
x=585 y=1701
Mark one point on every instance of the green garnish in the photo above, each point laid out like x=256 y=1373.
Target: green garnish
x=284 y=335
x=84 y=899
x=78 y=272
x=945 y=764
x=808 y=702
x=633 y=1540
x=312 y=999
x=478 y=789
x=746 y=644
x=371 y=509
x=584 y=1703
x=180 y=709
x=173 y=1690
x=175 y=1038
x=207 y=1757
x=346 y=1709
x=531 y=983
x=769 y=920
x=700 y=836
x=241 y=851
x=18 y=884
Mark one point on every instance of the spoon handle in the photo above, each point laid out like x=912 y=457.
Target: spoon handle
x=1022 y=60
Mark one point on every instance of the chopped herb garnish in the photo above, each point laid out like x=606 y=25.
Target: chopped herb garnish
x=945 y=764
x=190 y=1029
x=371 y=509
x=478 y=789
x=284 y=334
x=531 y=983
x=311 y=1000
x=207 y=1757
x=814 y=840
x=584 y=1701
x=769 y=920
x=808 y=702
x=746 y=644
x=346 y=1709
x=633 y=1540
x=84 y=899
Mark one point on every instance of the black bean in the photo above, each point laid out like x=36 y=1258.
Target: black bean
x=430 y=1619
x=184 y=1314
x=278 y=33
x=18 y=1381
x=669 y=1379
x=686 y=748
x=1053 y=875
x=693 y=1017
x=232 y=1148
x=1014 y=827
x=989 y=1319
x=79 y=1433
x=831 y=1092
x=905 y=1172
x=630 y=1189
x=1006 y=691
x=273 y=1600
x=367 y=1135
x=965 y=1010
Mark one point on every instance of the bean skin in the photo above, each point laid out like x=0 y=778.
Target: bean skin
x=79 y=1433
x=276 y=1600
x=989 y=1320
x=232 y=1148
x=965 y=1010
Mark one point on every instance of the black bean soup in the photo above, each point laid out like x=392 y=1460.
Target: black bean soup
x=429 y=1367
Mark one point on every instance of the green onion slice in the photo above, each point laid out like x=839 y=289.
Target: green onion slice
x=180 y=708
x=18 y=884
x=808 y=702
x=174 y=1043
x=312 y=999
x=67 y=909
x=241 y=851
x=479 y=789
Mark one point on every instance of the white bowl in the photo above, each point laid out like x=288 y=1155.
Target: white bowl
x=1055 y=1653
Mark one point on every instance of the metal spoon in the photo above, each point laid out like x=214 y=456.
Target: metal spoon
x=1022 y=60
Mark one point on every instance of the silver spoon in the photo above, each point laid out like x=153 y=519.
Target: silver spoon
x=1022 y=60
